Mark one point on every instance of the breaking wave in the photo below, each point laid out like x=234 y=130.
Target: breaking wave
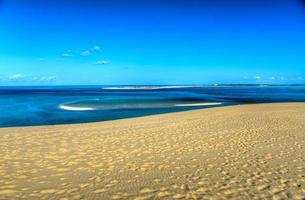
x=89 y=105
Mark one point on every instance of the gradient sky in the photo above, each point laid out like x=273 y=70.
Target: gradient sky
x=151 y=42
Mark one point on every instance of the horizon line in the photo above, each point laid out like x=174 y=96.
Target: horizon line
x=216 y=84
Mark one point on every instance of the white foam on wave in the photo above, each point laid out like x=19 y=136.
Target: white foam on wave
x=147 y=87
x=73 y=108
x=76 y=108
x=199 y=104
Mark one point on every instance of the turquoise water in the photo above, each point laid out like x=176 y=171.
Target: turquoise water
x=25 y=106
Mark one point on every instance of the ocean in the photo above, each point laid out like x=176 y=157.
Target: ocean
x=50 y=105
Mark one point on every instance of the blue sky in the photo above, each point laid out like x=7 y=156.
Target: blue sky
x=151 y=42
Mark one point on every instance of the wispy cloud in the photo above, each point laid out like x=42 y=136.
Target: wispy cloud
x=20 y=78
x=16 y=77
x=272 y=78
x=44 y=78
x=67 y=54
x=258 y=77
x=85 y=53
x=102 y=62
x=96 y=48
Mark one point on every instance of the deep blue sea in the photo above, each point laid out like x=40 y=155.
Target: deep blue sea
x=27 y=106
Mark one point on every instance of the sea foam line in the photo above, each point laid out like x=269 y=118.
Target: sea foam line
x=75 y=108
x=146 y=87
x=199 y=104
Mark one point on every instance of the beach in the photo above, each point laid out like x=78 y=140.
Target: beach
x=234 y=152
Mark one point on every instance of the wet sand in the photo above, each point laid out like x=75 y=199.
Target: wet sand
x=237 y=152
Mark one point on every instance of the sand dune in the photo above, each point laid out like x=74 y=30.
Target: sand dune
x=237 y=152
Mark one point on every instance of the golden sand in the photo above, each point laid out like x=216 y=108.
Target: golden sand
x=237 y=152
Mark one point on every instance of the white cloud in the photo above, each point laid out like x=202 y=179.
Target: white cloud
x=272 y=78
x=96 y=48
x=44 y=78
x=67 y=54
x=258 y=77
x=16 y=77
x=50 y=78
x=102 y=62
x=85 y=53
x=23 y=78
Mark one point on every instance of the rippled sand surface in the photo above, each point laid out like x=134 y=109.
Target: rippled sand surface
x=238 y=152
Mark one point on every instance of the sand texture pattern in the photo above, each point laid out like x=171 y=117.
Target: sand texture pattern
x=235 y=152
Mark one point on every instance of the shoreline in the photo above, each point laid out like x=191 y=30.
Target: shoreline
x=216 y=104
x=221 y=105
x=240 y=152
